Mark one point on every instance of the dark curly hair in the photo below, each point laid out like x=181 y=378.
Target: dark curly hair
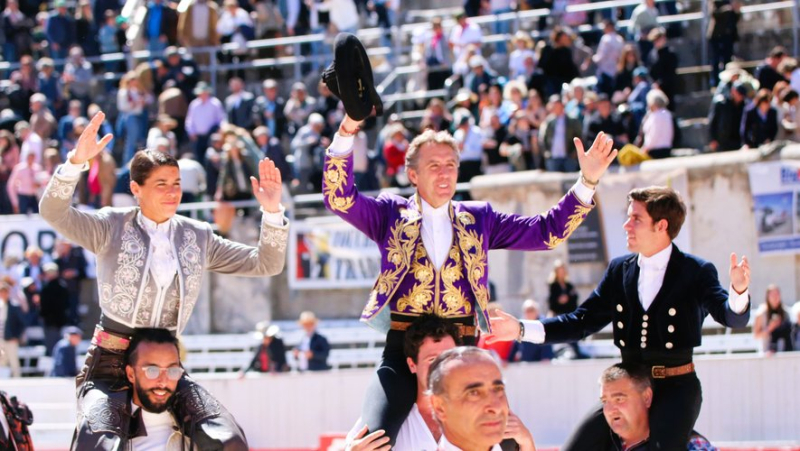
x=428 y=325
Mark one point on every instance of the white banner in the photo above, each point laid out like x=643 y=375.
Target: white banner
x=17 y=232
x=775 y=187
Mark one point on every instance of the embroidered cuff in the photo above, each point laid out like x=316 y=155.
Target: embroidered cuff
x=70 y=171
x=276 y=219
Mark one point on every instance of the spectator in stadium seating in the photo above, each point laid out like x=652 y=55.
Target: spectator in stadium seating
x=159 y=27
x=556 y=138
x=607 y=58
x=523 y=49
x=644 y=18
x=343 y=14
x=722 y=33
x=193 y=178
x=17 y=31
x=86 y=29
x=760 y=121
x=60 y=31
x=96 y=187
x=107 y=39
x=270 y=355
x=9 y=157
x=394 y=152
x=312 y=352
x=27 y=76
x=469 y=139
x=72 y=267
x=163 y=128
x=65 y=353
x=182 y=70
x=298 y=108
x=235 y=26
x=604 y=120
x=213 y=165
x=767 y=73
x=518 y=145
x=525 y=351
x=562 y=297
x=725 y=119
x=31 y=142
x=796 y=325
x=627 y=63
x=204 y=117
x=271 y=148
x=773 y=325
x=494 y=104
x=575 y=100
x=436 y=55
x=637 y=98
x=268 y=110
x=308 y=146
x=327 y=105
x=12 y=326
x=78 y=76
x=197 y=27
x=658 y=128
x=463 y=34
x=23 y=183
x=493 y=137
x=49 y=84
x=663 y=64
x=130 y=105
x=436 y=116
x=235 y=172
x=42 y=121
x=239 y=104
x=50 y=161
x=74 y=111
x=788 y=116
x=53 y=301
x=556 y=61
x=172 y=103
x=479 y=75
x=100 y=8
x=31 y=267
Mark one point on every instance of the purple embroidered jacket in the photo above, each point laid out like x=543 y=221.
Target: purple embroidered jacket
x=408 y=282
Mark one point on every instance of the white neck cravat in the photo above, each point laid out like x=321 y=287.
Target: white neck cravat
x=437 y=232
x=163 y=266
x=651 y=275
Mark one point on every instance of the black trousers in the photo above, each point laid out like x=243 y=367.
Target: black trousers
x=104 y=413
x=675 y=408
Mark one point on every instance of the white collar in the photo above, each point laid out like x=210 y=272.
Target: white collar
x=445 y=445
x=658 y=261
x=151 y=227
x=428 y=210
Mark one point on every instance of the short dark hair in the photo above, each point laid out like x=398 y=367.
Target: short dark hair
x=662 y=202
x=466 y=353
x=146 y=161
x=637 y=373
x=149 y=335
x=427 y=325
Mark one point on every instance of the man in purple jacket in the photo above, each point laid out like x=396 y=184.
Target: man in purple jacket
x=434 y=250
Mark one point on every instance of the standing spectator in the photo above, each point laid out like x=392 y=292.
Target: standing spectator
x=31 y=268
x=235 y=26
x=343 y=14
x=464 y=34
x=27 y=76
x=725 y=119
x=72 y=270
x=101 y=7
x=65 y=124
x=9 y=157
x=312 y=352
x=271 y=148
x=308 y=146
x=163 y=128
x=298 y=108
x=54 y=299
x=526 y=351
x=96 y=187
x=270 y=355
x=637 y=97
x=234 y=176
x=182 y=70
x=604 y=120
x=197 y=27
x=130 y=104
x=107 y=39
x=60 y=31
x=31 y=142
x=556 y=138
x=213 y=163
x=78 y=76
x=627 y=63
x=49 y=85
x=556 y=62
x=772 y=324
x=65 y=353
x=722 y=34
x=436 y=55
x=203 y=118
x=239 y=104
x=268 y=110
x=17 y=31
x=562 y=298
x=493 y=137
x=658 y=128
x=767 y=73
x=523 y=50
x=607 y=58
x=328 y=107
x=23 y=183
x=86 y=29
x=518 y=145
x=193 y=178
x=789 y=116
x=760 y=122
x=160 y=27
x=469 y=138
x=479 y=77
x=643 y=19
x=394 y=152
x=663 y=64
x=436 y=116
x=12 y=327
x=42 y=121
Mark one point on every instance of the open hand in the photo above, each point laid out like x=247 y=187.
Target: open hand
x=595 y=162
x=88 y=147
x=372 y=442
x=740 y=273
x=268 y=187
x=504 y=327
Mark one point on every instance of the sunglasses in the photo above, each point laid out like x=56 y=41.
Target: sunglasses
x=152 y=372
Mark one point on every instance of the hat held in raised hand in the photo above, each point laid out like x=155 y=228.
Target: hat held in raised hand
x=349 y=77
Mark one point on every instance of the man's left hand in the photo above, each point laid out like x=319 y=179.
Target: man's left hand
x=504 y=327
x=517 y=431
x=740 y=273
x=267 y=188
x=595 y=162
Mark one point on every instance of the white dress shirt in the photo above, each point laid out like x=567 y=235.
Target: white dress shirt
x=414 y=434
x=444 y=445
x=163 y=263
x=658 y=129
x=651 y=276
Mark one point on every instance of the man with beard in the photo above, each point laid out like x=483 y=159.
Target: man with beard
x=153 y=368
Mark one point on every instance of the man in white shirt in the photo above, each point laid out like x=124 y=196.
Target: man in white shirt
x=656 y=300
x=464 y=34
x=607 y=57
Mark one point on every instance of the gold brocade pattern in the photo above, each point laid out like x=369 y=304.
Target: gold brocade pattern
x=573 y=222
x=474 y=256
x=453 y=300
x=400 y=249
x=418 y=300
x=335 y=178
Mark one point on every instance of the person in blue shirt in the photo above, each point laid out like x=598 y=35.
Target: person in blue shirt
x=65 y=353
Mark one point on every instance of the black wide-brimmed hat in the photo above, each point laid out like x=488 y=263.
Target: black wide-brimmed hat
x=349 y=77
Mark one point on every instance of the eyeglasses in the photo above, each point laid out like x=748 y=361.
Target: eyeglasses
x=152 y=372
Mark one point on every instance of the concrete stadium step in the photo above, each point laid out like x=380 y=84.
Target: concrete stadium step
x=53 y=412
x=41 y=390
x=52 y=436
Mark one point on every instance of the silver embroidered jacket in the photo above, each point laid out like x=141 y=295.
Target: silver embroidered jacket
x=128 y=293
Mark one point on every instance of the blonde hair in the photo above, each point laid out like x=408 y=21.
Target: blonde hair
x=429 y=137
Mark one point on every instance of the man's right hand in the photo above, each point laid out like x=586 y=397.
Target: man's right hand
x=504 y=327
x=88 y=147
x=372 y=442
x=349 y=124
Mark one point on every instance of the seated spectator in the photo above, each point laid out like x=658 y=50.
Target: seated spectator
x=60 y=31
x=760 y=121
x=526 y=351
x=181 y=69
x=193 y=178
x=11 y=329
x=772 y=323
x=23 y=184
x=479 y=74
x=436 y=117
x=556 y=138
x=523 y=50
x=493 y=137
x=53 y=301
x=725 y=119
x=163 y=128
x=308 y=146
x=767 y=73
x=270 y=356
x=520 y=146
x=298 y=108
x=312 y=352
x=394 y=152
x=78 y=76
x=65 y=353
x=788 y=116
x=9 y=157
x=515 y=94
x=493 y=104
x=604 y=120
x=42 y=120
x=469 y=138
x=658 y=128
x=239 y=104
x=627 y=63
x=74 y=111
x=328 y=106
x=575 y=97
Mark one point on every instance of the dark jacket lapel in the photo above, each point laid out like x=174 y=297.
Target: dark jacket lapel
x=630 y=279
x=671 y=277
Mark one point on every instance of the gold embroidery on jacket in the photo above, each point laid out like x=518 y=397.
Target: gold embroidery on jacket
x=453 y=300
x=418 y=299
x=400 y=249
x=474 y=256
x=336 y=177
x=573 y=222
